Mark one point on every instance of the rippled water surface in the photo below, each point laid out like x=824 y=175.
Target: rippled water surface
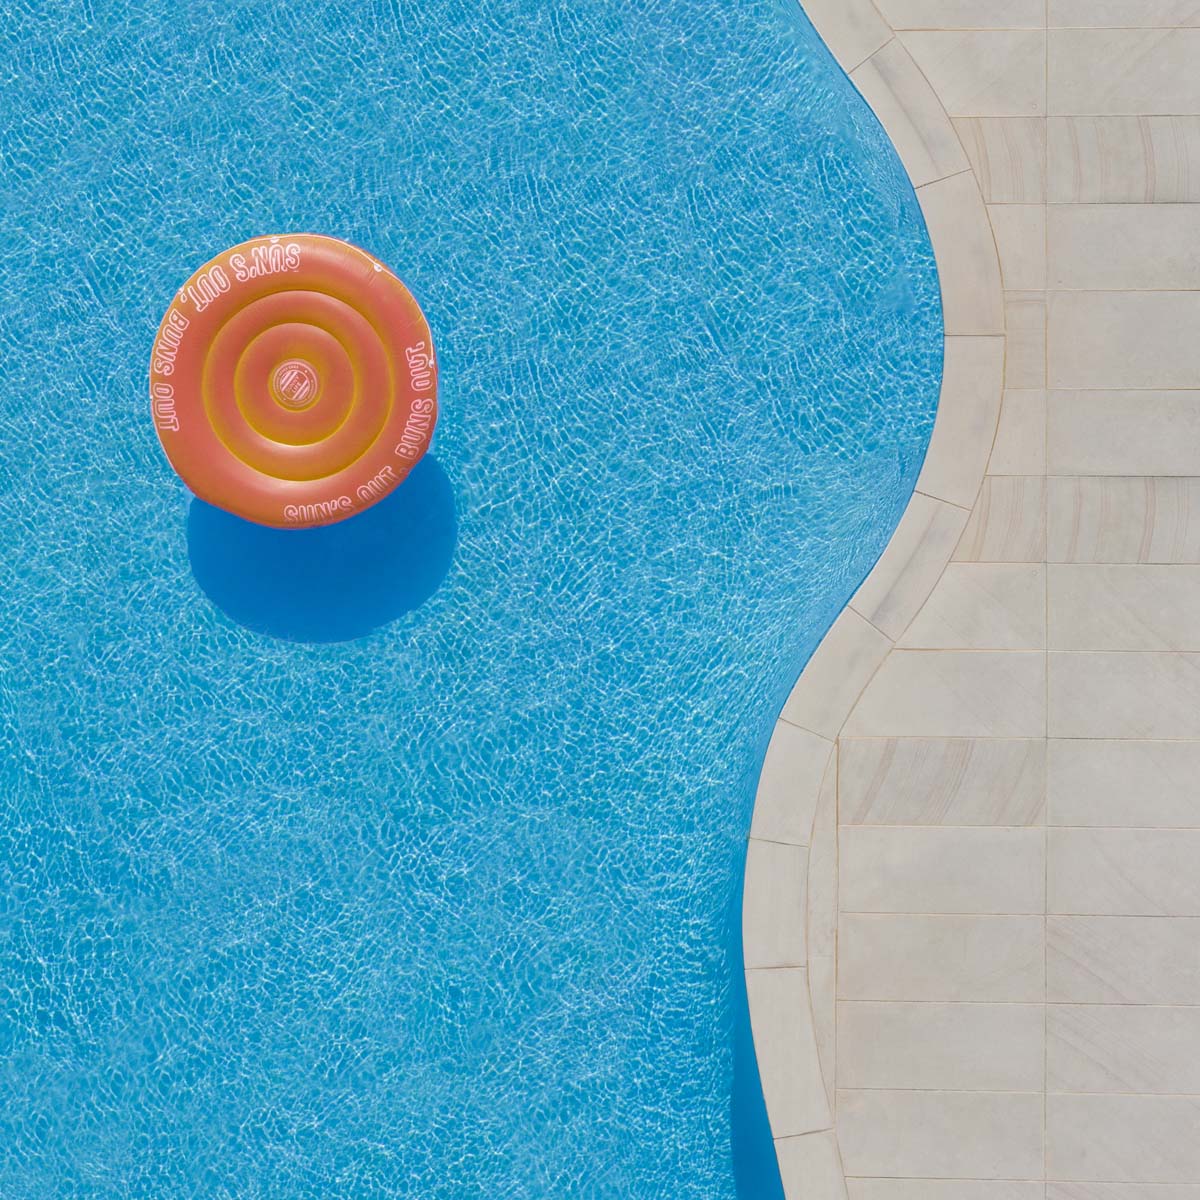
x=402 y=860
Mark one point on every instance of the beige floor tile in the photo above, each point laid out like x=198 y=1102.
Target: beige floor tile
x=1123 y=1048
x=1094 y=247
x=983 y=606
x=1020 y=231
x=941 y=781
x=1122 y=960
x=968 y=269
x=1125 y=872
x=1093 y=519
x=1113 y=340
x=822 y=991
x=1124 y=160
x=1020 y=445
x=787 y=1052
x=1124 y=607
x=968 y=410
x=944 y=1189
x=1009 y=157
x=1122 y=1191
x=941 y=1134
x=895 y=869
x=852 y=29
x=902 y=579
x=1123 y=433
x=984 y=73
x=1146 y=13
x=964 y=14
x=1118 y=695
x=789 y=785
x=1025 y=355
x=997 y=959
x=950 y=693
x=823 y=870
x=1095 y=72
x=839 y=669
x=1113 y=1138
x=773 y=916
x=901 y=97
x=811 y=1167
x=957 y=1047
x=1123 y=783
x=1008 y=522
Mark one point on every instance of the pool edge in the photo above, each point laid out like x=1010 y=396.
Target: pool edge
x=791 y=863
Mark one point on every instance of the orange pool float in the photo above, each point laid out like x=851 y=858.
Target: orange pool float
x=293 y=381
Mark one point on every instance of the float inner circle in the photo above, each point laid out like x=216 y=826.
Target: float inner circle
x=260 y=344
x=271 y=387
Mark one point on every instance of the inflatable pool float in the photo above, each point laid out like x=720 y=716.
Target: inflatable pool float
x=293 y=381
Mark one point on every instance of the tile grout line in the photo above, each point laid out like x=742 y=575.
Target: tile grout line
x=989 y=915
x=835 y=916
x=884 y=1000
x=1046 y=612
x=985 y=1091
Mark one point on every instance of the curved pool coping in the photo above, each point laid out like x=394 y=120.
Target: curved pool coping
x=789 y=902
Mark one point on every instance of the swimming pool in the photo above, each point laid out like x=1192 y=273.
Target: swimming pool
x=320 y=876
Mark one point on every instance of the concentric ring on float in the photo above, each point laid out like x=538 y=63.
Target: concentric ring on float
x=293 y=381
x=318 y=321
x=263 y=384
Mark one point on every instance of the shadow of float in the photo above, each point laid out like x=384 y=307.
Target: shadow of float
x=335 y=582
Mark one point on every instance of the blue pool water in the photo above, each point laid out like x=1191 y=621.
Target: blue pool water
x=402 y=859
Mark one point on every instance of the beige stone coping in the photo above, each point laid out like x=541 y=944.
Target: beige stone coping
x=789 y=903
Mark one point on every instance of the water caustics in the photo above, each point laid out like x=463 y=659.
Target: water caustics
x=322 y=877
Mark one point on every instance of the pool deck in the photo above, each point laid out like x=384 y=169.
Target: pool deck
x=972 y=911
